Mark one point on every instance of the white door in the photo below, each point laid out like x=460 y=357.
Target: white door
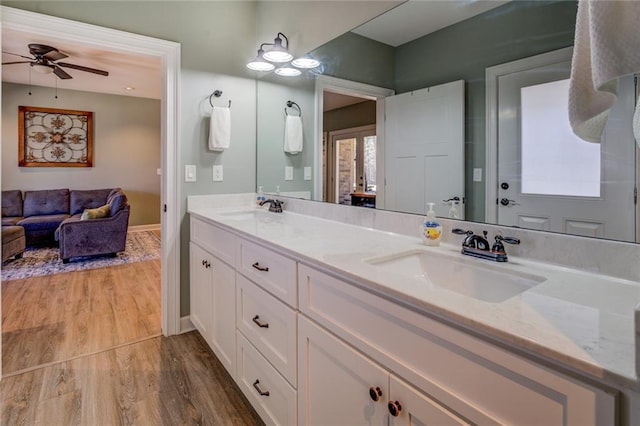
x=335 y=383
x=424 y=151
x=409 y=407
x=549 y=179
x=201 y=291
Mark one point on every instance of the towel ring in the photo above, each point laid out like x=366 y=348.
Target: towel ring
x=217 y=94
x=291 y=104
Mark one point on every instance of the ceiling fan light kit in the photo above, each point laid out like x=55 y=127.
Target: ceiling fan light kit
x=279 y=54
x=45 y=59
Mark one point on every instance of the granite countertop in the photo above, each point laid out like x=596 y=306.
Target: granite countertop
x=579 y=320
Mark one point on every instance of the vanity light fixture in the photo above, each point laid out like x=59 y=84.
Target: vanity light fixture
x=305 y=62
x=259 y=64
x=278 y=53
x=288 y=71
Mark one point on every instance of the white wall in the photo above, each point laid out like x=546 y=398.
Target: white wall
x=126 y=150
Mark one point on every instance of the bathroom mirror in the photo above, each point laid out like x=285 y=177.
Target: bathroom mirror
x=510 y=32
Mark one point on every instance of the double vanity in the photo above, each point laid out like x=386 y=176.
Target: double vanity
x=323 y=322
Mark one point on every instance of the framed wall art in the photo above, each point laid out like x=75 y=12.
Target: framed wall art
x=49 y=137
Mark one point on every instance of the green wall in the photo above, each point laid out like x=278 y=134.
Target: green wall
x=463 y=51
x=357 y=58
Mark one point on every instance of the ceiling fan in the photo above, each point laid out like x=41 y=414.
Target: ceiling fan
x=45 y=60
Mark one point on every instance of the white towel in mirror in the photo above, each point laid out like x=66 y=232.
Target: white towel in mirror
x=293 y=134
x=220 y=129
x=606 y=47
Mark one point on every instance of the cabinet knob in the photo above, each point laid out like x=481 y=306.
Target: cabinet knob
x=375 y=393
x=204 y=262
x=257 y=388
x=394 y=408
x=207 y=264
x=256 y=319
x=260 y=268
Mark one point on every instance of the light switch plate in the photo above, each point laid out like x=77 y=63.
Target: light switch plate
x=477 y=174
x=288 y=173
x=189 y=173
x=307 y=173
x=217 y=173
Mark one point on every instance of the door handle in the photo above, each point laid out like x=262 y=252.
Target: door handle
x=505 y=202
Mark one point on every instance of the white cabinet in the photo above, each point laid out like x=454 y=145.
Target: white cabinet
x=409 y=407
x=269 y=393
x=274 y=272
x=340 y=386
x=269 y=325
x=212 y=293
x=334 y=381
x=478 y=380
x=200 y=291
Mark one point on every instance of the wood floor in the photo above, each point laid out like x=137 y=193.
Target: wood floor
x=83 y=348
x=59 y=317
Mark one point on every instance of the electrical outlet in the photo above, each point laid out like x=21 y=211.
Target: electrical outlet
x=477 y=174
x=217 y=173
x=189 y=173
x=288 y=173
x=307 y=173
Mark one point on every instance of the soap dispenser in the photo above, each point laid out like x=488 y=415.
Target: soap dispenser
x=260 y=197
x=431 y=230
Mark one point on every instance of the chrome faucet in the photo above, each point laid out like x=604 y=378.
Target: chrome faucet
x=275 y=206
x=478 y=246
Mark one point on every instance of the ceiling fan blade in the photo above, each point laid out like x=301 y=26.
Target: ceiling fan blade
x=15 y=54
x=55 y=55
x=81 y=68
x=61 y=73
x=18 y=62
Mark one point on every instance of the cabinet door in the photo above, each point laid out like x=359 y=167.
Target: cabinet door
x=334 y=382
x=200 y=291
x=409 y=407
x=222 y=303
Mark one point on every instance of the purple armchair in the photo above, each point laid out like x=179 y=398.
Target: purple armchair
x=107 y=235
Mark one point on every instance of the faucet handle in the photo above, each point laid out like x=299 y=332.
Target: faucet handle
x=509 y=240
x=461 y=231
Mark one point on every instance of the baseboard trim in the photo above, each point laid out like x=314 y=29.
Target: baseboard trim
x=186 y=325
x=138 y=228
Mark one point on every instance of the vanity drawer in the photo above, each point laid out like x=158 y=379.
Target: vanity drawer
x=270 y=325
x=216 y=241
x=481 y=381
x=256 y=377
x=272 y=271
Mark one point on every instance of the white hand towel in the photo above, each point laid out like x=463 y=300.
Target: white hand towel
x=220 y=129
x=606 y=48
x=293 y=134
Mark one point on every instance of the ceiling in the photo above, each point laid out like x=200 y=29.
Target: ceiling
x=416 y=18
x=141 y=73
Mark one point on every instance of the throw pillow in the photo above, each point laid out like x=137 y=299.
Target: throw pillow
x=97 y=213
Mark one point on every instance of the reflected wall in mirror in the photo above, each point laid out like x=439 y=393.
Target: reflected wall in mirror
x=465 y=50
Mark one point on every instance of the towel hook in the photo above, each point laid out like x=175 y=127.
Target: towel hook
x=217 y=94
x=291 y=104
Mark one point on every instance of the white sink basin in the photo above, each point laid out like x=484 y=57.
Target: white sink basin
x=470 y=277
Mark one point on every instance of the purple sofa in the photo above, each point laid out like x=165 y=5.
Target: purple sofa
x=54 y=215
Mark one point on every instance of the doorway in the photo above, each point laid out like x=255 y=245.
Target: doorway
x=169 y=55
x=351 y=166
x=549 y=179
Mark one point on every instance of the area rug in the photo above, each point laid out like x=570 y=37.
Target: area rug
x=141 y=246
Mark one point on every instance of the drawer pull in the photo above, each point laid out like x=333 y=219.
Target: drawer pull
x=375 y=393
x=207 y=264
x=255 y=385
x=394 y=408
x=260 y=268
x=256 y=319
